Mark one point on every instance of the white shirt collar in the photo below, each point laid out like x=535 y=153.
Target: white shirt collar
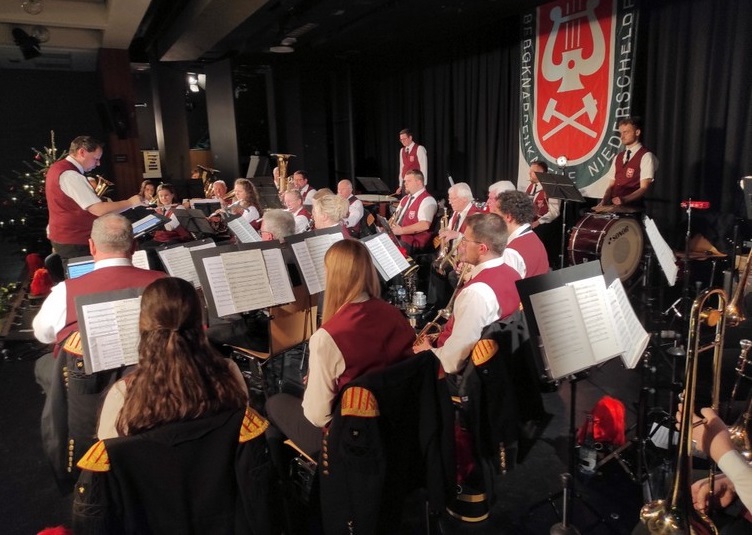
x=518 y=231
x=494 y=262
x=110 y=262
x=74 y=162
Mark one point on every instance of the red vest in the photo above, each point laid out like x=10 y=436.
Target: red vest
x=532 y=251
x=302 y=211
x=410 y=159
x=473 y=210
x=540 y=201
x=69 y=224
x=101 y=280
x=371 y=336
x=627 y=176
x=501 y=279
x=410 y=217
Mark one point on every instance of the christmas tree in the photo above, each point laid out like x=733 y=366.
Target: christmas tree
x=23 y=207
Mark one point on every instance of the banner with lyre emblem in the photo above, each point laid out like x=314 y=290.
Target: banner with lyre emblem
x=576 y=82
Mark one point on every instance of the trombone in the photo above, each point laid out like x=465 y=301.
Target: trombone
x=432 y=328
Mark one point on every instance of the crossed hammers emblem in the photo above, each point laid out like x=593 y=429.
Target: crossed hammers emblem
x=589 y=107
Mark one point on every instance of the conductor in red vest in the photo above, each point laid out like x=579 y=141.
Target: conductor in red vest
x=632 y=170
x=72 y=203
x=415 y=212
x=412 y=156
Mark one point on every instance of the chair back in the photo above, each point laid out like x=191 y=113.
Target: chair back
x=389 y=435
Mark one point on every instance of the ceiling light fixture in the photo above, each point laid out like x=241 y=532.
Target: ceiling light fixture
x=32 y=7
x=285 y=46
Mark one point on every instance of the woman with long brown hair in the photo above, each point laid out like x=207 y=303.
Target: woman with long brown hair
x=360 y=333
x=246 y=202
x=179 y=375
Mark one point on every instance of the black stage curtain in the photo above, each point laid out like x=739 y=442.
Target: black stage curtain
x=463 y=107
x=698 y=105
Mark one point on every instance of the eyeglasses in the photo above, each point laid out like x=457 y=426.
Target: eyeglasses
x=464 y=239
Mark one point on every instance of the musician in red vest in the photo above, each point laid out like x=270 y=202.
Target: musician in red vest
x=300 y=181
x=70 y=411
x=525 y=251
x=632 y=170
x=355 y=213
x=415 y=213
x=71 y=201
x=412 y=156
x=489 y=295
x=293 y=201
x=460 y=198
x=359 y=334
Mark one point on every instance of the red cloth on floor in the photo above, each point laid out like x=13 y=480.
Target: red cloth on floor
x=608 y=422
x=41 y=284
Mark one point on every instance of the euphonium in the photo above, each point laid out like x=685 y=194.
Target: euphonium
x=432 y=328
x=102 y=186
x=676 y=514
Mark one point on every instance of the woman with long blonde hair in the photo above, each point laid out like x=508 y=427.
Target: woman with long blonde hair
x=360 y=333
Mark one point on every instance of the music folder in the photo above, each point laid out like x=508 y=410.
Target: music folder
x=309 y=249
x=580 y=321
x=242 y=278
x=108 y=325
x=559 y=187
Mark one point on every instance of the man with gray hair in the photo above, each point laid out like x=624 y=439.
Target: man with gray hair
x=277 y=224
x=494 y=190
x=68 y=434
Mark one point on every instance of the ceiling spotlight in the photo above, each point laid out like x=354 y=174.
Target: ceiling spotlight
x=193 y=88
x=192 y=79
x=32 y=7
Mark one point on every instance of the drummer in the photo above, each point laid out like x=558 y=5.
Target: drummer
x=632 y=170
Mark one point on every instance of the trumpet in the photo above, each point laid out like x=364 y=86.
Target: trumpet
x=432 y=328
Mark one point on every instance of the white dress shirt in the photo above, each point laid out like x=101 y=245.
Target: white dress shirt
x=513 y=258
x=76 y=186
x=648 y=164
x=475 y=307
x=50 y=319
x=355 y=213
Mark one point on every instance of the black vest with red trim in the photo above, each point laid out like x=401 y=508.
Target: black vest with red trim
x=627 y=175
x=410 y=217
x=69 y=224
x=371 y=336
x=501 y=279
x=105 y=279
x=532 y=251
x=410 y=159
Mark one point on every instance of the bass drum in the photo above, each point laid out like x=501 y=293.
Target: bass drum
x=617 y=241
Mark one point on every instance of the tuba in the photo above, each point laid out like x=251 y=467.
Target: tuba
x=284 y=180
x=676 y=514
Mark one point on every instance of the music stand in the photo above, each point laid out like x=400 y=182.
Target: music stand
x=267 y=191
x=372 y=184
x=562 y=188
x=195 y=222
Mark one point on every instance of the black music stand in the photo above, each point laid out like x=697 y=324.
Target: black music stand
x=526 y=288
x=267 y=191
x=562 y=188
x=373 y=185
x=195 y=222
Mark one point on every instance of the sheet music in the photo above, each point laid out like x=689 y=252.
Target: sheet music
x=248 y=281
x=384 y=258
x=596 y=314
x=219 y=286
x=112 y=333
x=307 y=268
x=178 y=263
x=563 y=331
x=279 y=278
x=243 y=230
x=140 y=260
x=317 y=247
x=665 y=255
x=632 y=336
